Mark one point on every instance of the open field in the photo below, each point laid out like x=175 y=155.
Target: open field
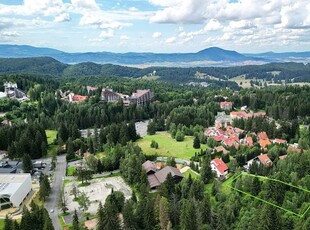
x=299 y=211
x=168 y=146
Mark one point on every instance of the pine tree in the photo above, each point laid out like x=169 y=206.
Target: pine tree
x=27 y=164
x=188 y=214
x=163 y=213
x=75 y=221
x=256 y=186
x=196 y=143
x=45 y=188
x=206 y=171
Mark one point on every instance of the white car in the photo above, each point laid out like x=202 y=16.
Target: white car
x=52 y=210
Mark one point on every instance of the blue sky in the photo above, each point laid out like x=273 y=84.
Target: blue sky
x=157 y=25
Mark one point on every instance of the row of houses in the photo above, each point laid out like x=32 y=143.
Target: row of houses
x=222 y=120
x=141 y=97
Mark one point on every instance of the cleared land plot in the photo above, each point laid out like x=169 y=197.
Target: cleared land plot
x=296 y=200
x=51 y=136
x=97 y=191
x=168 y=146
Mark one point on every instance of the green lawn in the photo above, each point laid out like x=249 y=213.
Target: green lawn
x=51 y=136
x=192 y=173
x=71 y=170
x=1 y=223
x=168 y=146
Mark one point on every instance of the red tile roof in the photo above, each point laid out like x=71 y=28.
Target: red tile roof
x=294 y=149
x=265 y=160
x=218 y=138
x=219 y=165
x=220 y=149
x=229 y=142
x=264 y=143
x=78 y=98
x=223 y=103
x=249 y=141
x=280 y=141
x=262 y=136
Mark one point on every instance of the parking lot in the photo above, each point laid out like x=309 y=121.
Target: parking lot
x=97 y=192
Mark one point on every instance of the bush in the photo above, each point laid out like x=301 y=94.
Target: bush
x=154 y=144
x=179 y=136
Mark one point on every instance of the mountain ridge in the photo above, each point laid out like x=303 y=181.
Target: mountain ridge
x=207 y=57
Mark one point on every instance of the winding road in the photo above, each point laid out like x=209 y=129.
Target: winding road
x=52 y=201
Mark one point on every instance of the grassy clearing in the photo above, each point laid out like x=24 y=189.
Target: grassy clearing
x=51 y=148
x=71 y=171
x=51 y=136
x=192 y=173
x=168 y=146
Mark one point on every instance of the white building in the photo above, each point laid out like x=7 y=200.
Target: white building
x=14 y=188
x=219 y=167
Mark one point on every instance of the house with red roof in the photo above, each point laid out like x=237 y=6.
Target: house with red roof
x=294 y=149
x=262 y=136
x=76 y=98
x=218 y=166
x=226 y=105
x=90 y=89
x=279 y=141
x=265 y=160
x=220 y=149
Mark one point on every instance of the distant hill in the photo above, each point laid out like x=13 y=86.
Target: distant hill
x=206 y=57
x=35 y=65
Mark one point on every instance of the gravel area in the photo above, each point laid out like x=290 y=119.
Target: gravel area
x=141 y=127
x=97 y=192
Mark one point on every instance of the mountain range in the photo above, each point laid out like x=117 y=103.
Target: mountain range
x=212 y=56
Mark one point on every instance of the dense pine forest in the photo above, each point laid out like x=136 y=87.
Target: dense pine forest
x=197 y=202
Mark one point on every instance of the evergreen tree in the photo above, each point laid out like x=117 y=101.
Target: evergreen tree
x=163 y=213
x=45 y=188
x=75 y=221
x=132 y=131
x=196 y=143
x=188 y=215
x=206 y=171
x=27 y=164
x=256 y=186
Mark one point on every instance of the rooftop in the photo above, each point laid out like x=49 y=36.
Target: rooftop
x=11 y=182
x=219 y=165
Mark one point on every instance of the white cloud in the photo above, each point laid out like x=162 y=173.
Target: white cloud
x=213 y=25
x=134 y=9
x=243 y=24
x=170 y=40
x=10 y=34
x=156 y=35
x=54 y=8
x=124 y=37
x=85 y=5
x=107 y=34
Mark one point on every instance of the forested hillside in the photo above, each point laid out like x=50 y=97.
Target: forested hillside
x=290 y=72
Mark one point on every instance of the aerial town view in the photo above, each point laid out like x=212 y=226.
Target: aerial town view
x=154 y=115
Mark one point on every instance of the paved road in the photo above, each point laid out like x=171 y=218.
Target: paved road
x=52 y=201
